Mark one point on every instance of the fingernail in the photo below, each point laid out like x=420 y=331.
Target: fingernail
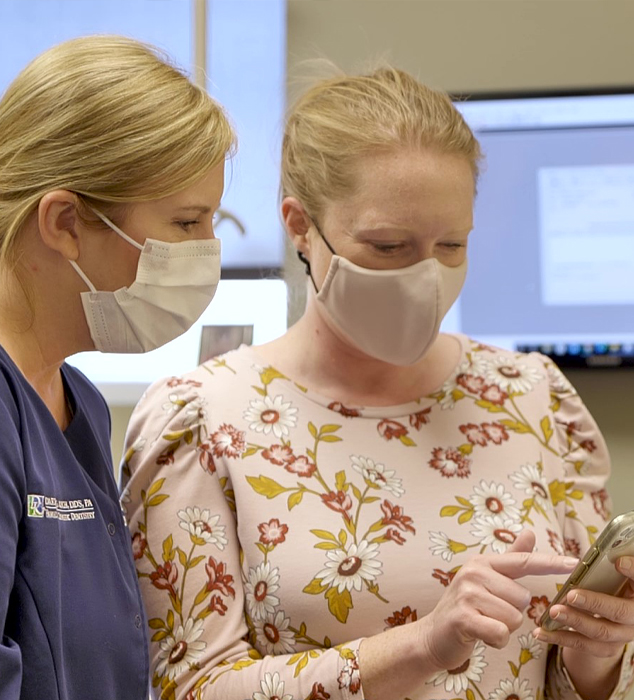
x=625 y=563
x=575 y=598
x=571 y=561
x=538 y=633
x=560 y=616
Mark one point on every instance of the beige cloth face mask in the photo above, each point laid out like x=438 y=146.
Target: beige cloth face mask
x=391 y=315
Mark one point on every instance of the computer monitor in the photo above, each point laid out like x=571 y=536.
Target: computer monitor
x=551 y=257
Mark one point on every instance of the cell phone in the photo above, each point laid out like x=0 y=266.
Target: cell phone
x=597 y=570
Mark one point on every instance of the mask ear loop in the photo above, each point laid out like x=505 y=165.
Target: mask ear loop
x=305 y=260
x=306 y=263
x=116 y=229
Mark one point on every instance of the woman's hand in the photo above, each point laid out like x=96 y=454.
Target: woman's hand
x=483 y=602
x=598 y=626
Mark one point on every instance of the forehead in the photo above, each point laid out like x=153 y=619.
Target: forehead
x=407 y=186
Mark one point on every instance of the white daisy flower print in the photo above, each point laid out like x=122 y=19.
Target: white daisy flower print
x=195 y=413
x=496 y=531
x=558 y=382
x=456 y=680
x=273 y=635
x=443 y=547
x=272 y=688
x=478 y=364
x=202 y=527
x=493 y=499
x=139 y=444
x=378 y=475
x=512 y=690
x=269 y=415
x=180 y=650
x=448 y=401
x=349 y=569
x=529 y=480
x=262 y=582
x=173 y=404
x=531 y=648
x=512 y=375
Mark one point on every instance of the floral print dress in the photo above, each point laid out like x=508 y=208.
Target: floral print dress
x=273 y=528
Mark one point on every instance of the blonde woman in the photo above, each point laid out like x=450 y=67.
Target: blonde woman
x=111 y=166
x=366 y=508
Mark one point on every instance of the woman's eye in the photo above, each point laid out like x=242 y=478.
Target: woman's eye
x=387 y=247
x=186 y=225
x=454 y=247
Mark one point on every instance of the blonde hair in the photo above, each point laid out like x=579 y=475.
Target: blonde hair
x=343 y=119
x=108 y=118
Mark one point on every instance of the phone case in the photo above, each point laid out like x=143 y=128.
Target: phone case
x=596 y=570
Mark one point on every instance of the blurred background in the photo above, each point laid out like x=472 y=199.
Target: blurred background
x=250 y=54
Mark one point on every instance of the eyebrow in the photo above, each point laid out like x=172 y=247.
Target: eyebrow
x=203 y=209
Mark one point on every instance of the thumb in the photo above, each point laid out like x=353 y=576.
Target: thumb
x=525 y=542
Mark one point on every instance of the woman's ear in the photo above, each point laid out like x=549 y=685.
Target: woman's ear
x=297 y=224
x=57 y=223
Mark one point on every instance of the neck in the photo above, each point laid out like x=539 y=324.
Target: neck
x=313 y=355
x=38 y=328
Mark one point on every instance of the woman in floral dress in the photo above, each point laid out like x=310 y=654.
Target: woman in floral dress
x=366 y=508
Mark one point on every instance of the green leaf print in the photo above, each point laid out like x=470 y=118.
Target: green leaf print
x=339 y=604
x=265 y=486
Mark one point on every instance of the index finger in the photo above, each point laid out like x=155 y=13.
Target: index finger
x=518 y=564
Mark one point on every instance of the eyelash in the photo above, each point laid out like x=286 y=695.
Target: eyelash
x=186 y=225
x=387 y=248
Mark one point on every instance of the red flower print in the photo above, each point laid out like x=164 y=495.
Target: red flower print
x=483 y=348
x=537 y=608
x=588 y=445
x=206 y=458
x=216 y=605
x=402 y=617
x=473 y=384
x=571 y=547
x=318 y=693
x=139 y=543
x=167 y=456
x=601 y=502
x=571 y=427
x=338 y=501
x=393 y=515
x=272 y=532
x=445 y=577
x=300 y=466
x=496 y=432
x=228 y=441
x=278 y=454
x=340 y=408
x=474 y=434
x=389 y=429
x=165 y=577
x=493 y=394
x=177 y=381
x=349 y=676
x=420 y=418
x=218 y=578
x=450 y=462
x=555 y=541
x=395 y=536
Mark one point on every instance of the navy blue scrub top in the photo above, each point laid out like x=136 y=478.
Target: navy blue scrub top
x=71 y=614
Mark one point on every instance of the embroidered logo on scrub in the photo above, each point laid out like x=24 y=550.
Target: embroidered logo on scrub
x=35 y=506
x=51 y=507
